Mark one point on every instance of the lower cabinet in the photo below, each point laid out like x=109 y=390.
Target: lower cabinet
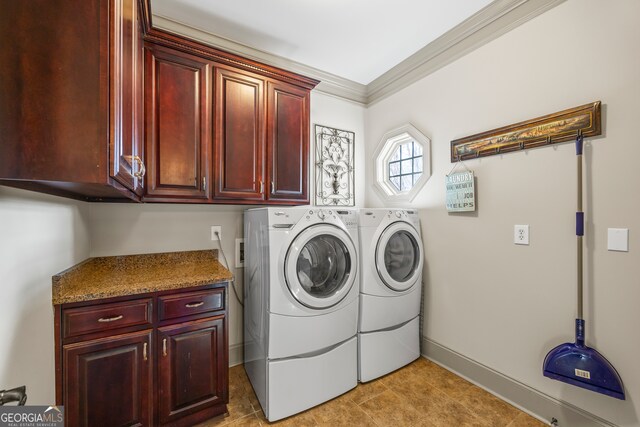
x=191 y=376
x=109 y=380
x=146 y=360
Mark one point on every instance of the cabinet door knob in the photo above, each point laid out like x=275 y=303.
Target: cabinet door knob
x=142 y=170
x=164 y=347
x=144 y=351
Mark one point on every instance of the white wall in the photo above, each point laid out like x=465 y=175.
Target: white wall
x=506 y=306
x=40 y=236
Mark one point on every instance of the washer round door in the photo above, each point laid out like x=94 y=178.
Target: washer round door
x=399 y=256
x=320 y=266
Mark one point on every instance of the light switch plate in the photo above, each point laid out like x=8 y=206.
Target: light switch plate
x=618 y=239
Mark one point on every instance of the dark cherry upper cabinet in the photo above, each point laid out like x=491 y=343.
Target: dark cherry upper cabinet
x=109 y=381
x=177 y=125
x=239 y=137
x=70 y=110
x=288 y=143
x=97 y=104
x=261 y=141
x=126 y=131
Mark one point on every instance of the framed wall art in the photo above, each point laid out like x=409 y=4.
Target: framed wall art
x=334 y=166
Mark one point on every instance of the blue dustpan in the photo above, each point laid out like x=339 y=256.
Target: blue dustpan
x=575 y=363
x=581 y=366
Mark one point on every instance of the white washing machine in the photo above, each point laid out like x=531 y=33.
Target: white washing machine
x=301 y=298
x=391 y=259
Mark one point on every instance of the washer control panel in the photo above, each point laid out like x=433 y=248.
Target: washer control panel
x=287 y=218
x=348 y=216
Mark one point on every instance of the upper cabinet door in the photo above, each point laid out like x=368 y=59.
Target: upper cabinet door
x=287 y=143
x=177 y=125
x=239 y=135
x=126 y=60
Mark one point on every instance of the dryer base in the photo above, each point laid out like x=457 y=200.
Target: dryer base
x=296 y=384
x=385 y=312
x=382 y=352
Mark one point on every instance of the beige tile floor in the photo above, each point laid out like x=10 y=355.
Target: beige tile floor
x=420 y=394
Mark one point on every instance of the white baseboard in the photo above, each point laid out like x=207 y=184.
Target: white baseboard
x=236 y=354
x=528 y=399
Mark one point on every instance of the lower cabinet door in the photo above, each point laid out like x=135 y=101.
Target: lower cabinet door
x=192 y=370
x=108 y=381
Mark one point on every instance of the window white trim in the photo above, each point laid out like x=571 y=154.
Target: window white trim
x=385 y=149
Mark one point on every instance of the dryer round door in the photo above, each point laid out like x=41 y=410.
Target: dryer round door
x=399 y=256
x=320 y=266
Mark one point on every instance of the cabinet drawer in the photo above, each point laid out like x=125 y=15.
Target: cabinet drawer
x=104 y=317
x=186 y=304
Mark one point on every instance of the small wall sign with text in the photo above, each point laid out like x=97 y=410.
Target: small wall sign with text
x=461 y=192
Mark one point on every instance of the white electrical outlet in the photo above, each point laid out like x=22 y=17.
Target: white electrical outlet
x=216 y=229
x=521 y=234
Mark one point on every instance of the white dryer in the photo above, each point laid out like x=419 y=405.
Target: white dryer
x=390 y=291
x=300 y=306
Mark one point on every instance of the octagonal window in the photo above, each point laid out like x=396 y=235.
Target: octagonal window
x=405 y=165
x=402 y=163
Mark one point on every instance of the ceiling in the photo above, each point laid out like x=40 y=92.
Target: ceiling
x=359 y=50
x=358 y=40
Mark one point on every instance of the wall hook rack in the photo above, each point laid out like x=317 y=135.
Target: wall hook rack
x=539 y=132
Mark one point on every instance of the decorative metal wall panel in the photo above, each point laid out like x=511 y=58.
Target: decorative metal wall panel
x=334 y=167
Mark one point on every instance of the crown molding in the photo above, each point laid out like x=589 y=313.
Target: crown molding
x=496 y=19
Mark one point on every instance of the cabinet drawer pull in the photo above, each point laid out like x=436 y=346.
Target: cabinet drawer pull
x=144 y=351
x=142 y=170
x=110 y=319
x=164 y=347
x=194 y=304
x=261 y=187
x=204 y=183
x=273 y=188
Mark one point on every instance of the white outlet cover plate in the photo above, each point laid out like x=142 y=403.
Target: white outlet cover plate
x=521 y=234
x=215 y=228
x=618 y=239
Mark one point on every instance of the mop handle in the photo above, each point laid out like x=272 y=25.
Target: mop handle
x=579 y=232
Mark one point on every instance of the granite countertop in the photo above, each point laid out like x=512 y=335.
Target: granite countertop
x=114 y=276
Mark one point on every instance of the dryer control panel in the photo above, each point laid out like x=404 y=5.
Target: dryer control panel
x=375 y=216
